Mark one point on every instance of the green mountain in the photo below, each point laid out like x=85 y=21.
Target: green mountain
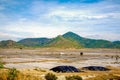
x=116 y=44
x=90 y=43
x=61 y=42
x=34 y=42
x=10 y=44
x=67 y=40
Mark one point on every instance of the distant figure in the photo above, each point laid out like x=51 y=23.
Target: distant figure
x=116 y=57
x=81 y=53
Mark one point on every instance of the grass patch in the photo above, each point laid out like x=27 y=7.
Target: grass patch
x=73 y=77
x=1 y=64
x=50 y=76
x=105 y=77
x=14 y=74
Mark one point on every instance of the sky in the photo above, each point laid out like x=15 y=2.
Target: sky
x=96 y=19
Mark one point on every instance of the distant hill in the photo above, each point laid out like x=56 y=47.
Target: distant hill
x=67 y=40
x=10 y=44
x=61 y=42
x=88 y=43
x=34 y=42
x=116 y=44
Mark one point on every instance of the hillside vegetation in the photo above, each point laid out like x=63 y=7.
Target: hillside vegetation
x=34 y=41
x=61 y=42
x=67 y=40
x=10 y=44
x=89 y=43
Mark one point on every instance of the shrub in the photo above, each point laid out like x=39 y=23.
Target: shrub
x=73 y=78
x=50 y=76
x=19 y=75
x=12 y=73
x=1 y=64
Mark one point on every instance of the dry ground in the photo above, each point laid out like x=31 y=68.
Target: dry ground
x=33 y=64
x=38 y=74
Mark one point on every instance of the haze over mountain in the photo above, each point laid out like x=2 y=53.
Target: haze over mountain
x=67 y=40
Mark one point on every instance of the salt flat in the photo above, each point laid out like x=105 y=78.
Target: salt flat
x=42 y=58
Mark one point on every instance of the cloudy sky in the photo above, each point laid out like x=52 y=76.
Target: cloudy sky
x=98 y=19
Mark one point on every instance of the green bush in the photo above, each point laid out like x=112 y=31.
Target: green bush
x=1 y=64
x=12 y=73
x=73 y=78
x=50 y=76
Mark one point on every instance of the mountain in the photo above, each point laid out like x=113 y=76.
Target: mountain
x=33 y=42
x=61 y=42
x=10 y=44
x=67 y=40
x=90 y=43
x=116 y=44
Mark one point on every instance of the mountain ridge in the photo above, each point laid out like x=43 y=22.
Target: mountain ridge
x=34 y=41
x=67 y=40
x=10 y=44
x=89 y=43
x=61 y=42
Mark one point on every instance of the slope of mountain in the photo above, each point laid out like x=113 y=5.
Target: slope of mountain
x=34 y=41
x=67 y=40
x=89 y=43
x=10 y=44
x=116 y=44
x=61 y=42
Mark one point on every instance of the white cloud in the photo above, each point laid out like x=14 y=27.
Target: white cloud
x=49 y=19
x=35 y=29
x=76 y=15
x=9 y=36
x=111 y=36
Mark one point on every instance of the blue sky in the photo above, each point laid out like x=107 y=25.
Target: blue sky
x=98 y=19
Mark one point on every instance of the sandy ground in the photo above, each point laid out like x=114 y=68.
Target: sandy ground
x=46 y=59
